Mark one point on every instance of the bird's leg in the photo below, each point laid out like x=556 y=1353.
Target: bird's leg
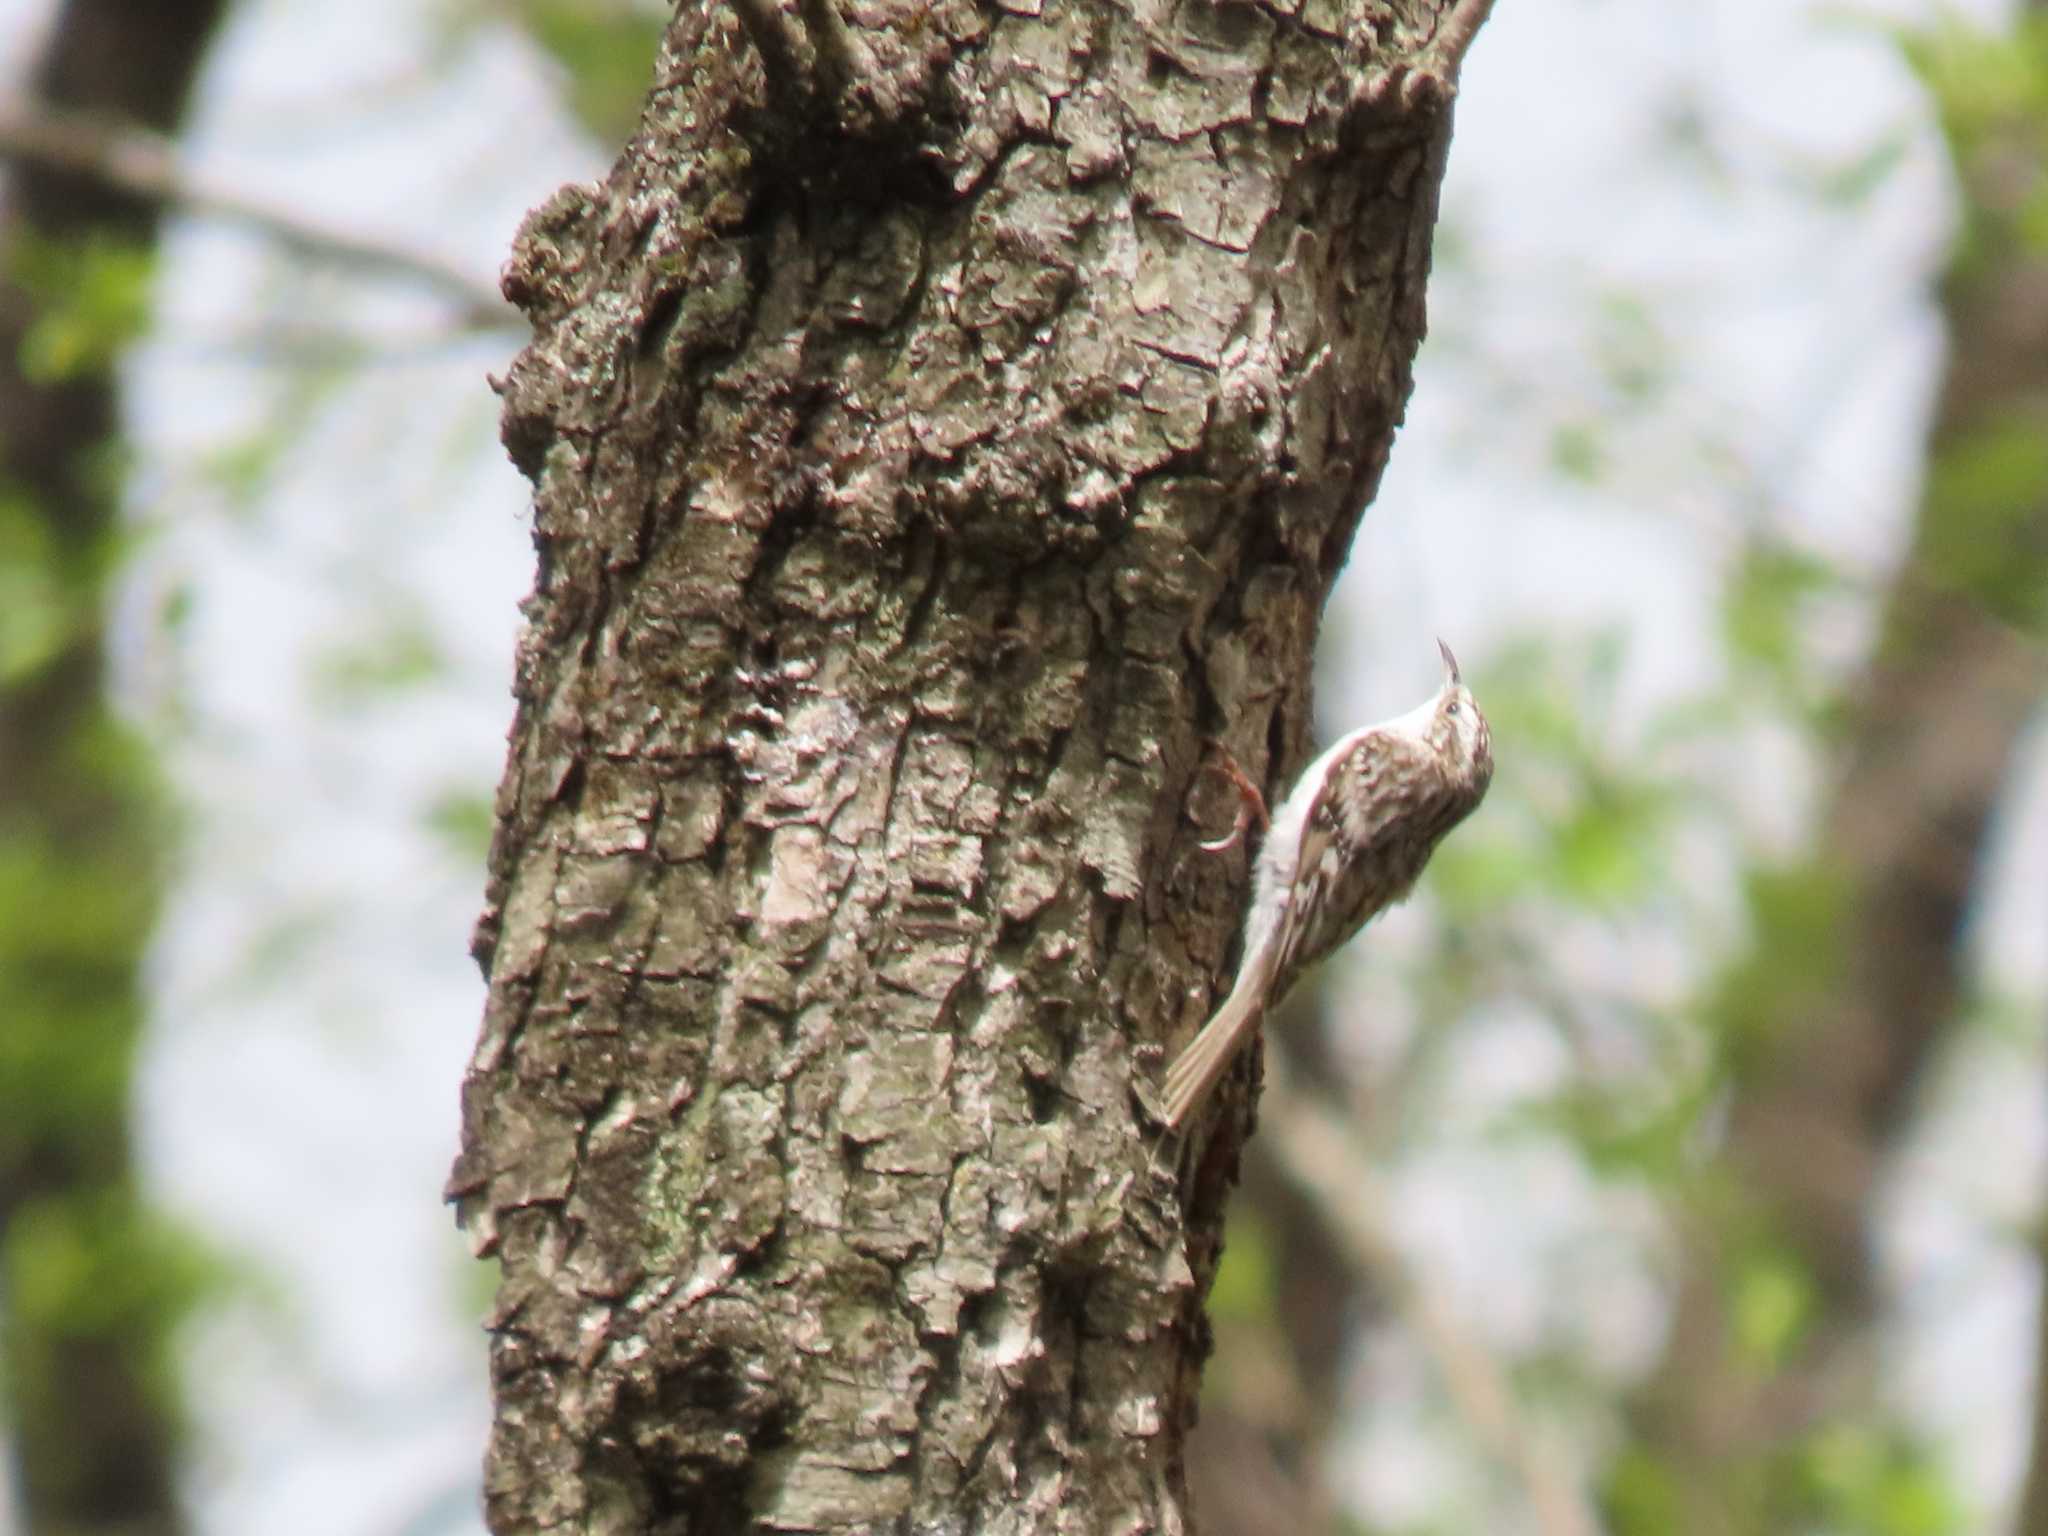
x=1250 y=802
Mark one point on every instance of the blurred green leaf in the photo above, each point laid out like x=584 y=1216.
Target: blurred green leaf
x=475 y=1284
x=1990 y=91
x=89 y=1264
x=91 y=299
x=1475 y=875
x=462 y=821
x=1623 y=1132
x=608 y=52
x=244 y=465
x=1876 y=1483
x=1764 y=605
x=95 y=1263
x=397 y=655
x=37 y=612
x=1577 y=451
x=1986 y=502
x=1607 y=846
x=72 y=1016
x=1792 y=964
x=1771 y=1304
x=1247 y=1277
x=1631 y=347
x=1851 y=182
x=77 y=900
x=1640 y=1497
x=1980 y=78
x=281 y=943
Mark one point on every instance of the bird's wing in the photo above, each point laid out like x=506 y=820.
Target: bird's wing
x=1313 y=866
x=1365 y=792
x=1379 y=782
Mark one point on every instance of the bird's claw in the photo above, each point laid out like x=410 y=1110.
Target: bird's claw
x=1250 y=802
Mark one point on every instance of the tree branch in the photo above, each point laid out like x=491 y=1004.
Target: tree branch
x=1445 y=55
x=1321 y=1154
x=146 y=165
x=787 y=77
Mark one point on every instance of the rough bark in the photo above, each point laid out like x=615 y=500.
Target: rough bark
x=1934 y=726
x=90 y=1412
x=941 y=419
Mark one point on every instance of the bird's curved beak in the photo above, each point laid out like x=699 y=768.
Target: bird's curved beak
x=1451 y=678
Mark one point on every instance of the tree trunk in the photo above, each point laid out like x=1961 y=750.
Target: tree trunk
x=941 y=420
x=88 y=1294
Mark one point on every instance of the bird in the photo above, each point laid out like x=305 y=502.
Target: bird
x=1349 y=840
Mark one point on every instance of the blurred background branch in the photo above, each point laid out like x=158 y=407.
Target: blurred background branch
x=144 y=165
x=1322 y=1157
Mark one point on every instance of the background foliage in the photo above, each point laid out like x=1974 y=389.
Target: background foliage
x=1722 y=1153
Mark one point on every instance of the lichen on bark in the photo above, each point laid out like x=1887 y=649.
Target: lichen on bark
x=942 y=420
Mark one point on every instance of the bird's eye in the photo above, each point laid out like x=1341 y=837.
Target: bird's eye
x=1451 y=708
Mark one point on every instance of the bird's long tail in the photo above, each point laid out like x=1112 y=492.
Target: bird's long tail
x=1205 y=1058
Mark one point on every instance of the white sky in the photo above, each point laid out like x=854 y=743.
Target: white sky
x=315 y=1003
